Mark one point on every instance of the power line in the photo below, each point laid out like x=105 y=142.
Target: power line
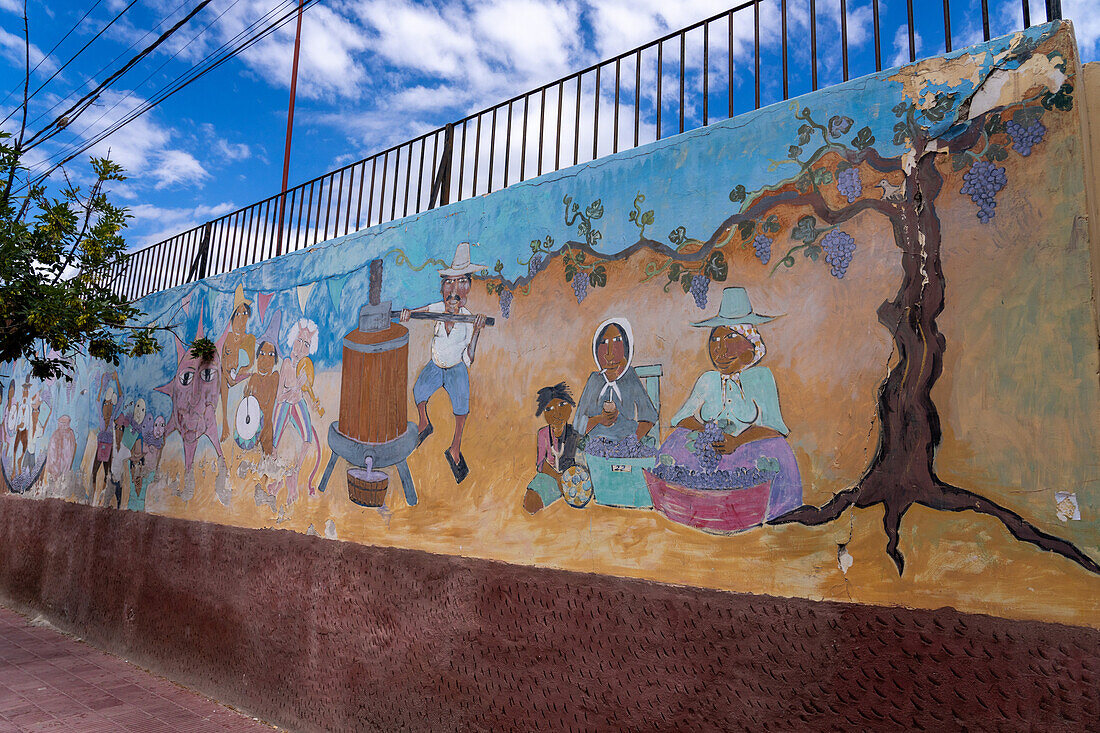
x=50 y=52
x=185 y=80
x=73 y=57
x=108 y=65
x=75 y=145
x=84 y=102
x=153 y=73
x=181 y=80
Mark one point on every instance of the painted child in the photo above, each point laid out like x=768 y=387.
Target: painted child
x=263 y=384
x=556 y=447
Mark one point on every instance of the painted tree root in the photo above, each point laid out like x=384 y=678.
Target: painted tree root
x=902 y=472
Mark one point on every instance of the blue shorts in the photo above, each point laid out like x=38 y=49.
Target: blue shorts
x=456 y=380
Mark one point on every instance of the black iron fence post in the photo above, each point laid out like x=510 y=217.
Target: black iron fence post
x=1054 y=9
x=441 y=186
x=202 y=256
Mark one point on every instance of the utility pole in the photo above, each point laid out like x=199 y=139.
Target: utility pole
x=289 y=130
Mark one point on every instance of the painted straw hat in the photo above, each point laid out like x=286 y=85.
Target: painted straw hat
x=734 y=310
x=461 y=264
x=239 y=300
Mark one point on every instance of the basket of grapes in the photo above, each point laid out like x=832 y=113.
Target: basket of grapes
x=617 y=469
x=693 y=485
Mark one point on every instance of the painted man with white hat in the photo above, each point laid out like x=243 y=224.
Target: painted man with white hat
x=453 y=347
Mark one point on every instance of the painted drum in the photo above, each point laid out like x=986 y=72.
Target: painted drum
x=576 y=487
x=248 y=423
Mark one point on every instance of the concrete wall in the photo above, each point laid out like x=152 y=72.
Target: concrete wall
x=916 y=425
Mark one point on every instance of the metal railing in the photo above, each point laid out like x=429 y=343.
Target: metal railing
x=540 y=131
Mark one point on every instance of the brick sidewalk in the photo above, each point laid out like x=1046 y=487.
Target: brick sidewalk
x=52 y=682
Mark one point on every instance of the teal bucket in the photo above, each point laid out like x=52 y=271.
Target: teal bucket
x=620 y=481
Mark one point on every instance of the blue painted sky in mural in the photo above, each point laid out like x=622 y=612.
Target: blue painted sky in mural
x=699 y=169
x=377 y=72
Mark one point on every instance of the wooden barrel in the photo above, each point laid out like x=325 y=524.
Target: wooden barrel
x=374 y=385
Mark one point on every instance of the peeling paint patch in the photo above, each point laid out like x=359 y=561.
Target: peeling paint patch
x=844 y=559
x=1068 y=509
x=1004 y=85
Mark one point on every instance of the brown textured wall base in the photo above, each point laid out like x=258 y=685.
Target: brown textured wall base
x=315 y=634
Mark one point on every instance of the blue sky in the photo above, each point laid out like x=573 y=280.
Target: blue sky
x=377 y=72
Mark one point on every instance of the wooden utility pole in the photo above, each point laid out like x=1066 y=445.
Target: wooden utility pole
x=289 y=130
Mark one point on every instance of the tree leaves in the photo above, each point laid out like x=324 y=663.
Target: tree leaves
x=901 y=132
x=594 y=210
x=598 y=276
x=944 y=103
x=737 y=195
x=804 y=133
x=794 y=151
x=1062 y=99
x=747 y=229
x=839 y=125
x=59 y=257
x=863 y=139
x=995 y=152
x=716 y=267
x=1027 y=116
x=771 y=224
x=806 y=230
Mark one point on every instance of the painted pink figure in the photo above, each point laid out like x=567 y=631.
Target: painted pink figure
x=296 y=376
x=194 y=392
x=62 y=448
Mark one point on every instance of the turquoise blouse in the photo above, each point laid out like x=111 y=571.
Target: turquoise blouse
x=749 y=398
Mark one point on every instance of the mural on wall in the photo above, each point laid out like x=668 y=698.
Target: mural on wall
x=684 y=392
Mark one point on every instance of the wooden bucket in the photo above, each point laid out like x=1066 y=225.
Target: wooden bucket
x=374 y=385
x=365 y=487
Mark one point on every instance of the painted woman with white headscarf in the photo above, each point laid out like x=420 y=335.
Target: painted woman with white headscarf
x=614 y=404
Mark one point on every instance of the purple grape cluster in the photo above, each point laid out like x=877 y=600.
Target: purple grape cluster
x=505 y=303
x=580 y=285
x=981 y=183
x=628 y=447
x=1025 y=138
x=704 y=446
x=839 y=247
x=762 y=246
x=534 y=264
x=848 y=183
x=737 y=478
x=699 y=286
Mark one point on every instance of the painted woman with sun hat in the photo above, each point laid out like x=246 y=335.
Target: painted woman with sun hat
x=740 y=397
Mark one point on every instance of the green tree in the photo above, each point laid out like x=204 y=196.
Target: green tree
x=59 y=256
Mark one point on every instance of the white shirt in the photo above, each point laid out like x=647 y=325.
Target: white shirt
x=448 y=349
x=23 y=411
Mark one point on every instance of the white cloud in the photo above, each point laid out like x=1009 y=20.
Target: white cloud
x=157 y=223
x=1085 y=15
x=13 y=48
x=233 y=151
x=176 y=166
x=901 y=46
